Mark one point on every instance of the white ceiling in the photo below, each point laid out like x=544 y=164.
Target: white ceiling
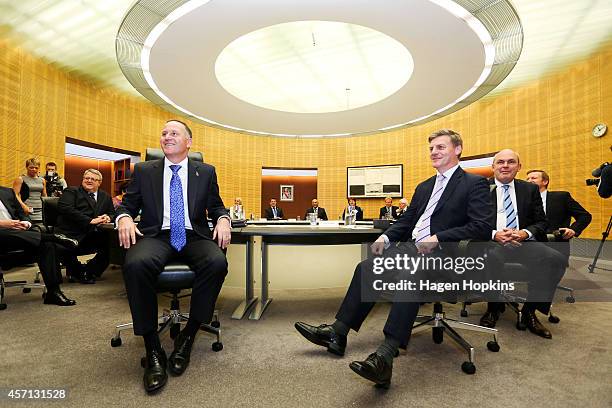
x=79 y=35
x=182 y=59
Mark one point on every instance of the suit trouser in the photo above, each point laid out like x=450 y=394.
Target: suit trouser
x=354 y=311
x=95 y=241
x=45 y=252
x=546 y=267
x=146 y=260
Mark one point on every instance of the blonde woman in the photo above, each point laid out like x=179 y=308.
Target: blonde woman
x=29 y=188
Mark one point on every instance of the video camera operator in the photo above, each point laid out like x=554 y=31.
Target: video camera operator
x=55 y=183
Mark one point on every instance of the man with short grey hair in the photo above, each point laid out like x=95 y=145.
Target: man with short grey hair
x=81 y=210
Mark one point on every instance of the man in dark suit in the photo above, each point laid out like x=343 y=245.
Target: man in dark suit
x=16 y=233
x=449 y=207
x=81 y=210
x=389 y=210
x=560 y=208
x=353 y=208
x=174 y=196
x=403 y=206
x=321 y=214
x=273 y=212
x=520 y=221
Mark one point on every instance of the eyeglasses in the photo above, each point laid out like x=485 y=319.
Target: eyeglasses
x=91 y=179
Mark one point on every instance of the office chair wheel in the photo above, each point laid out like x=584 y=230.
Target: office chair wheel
x=468 y=367
x=493 y=346
x=570 y=299
x=553 y=319
x=216 y=324
x=521 y=326
x=464 y=313
x=175 y=329
x=2 y=306
x=116 y=342
x=437 y=333
x=217 y=346
x=26 y=290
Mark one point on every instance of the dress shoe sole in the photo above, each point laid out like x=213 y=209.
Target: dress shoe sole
x=357 y=368
x=311 y=337
x=488 y=324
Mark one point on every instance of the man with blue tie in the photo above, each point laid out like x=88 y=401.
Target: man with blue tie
x=273 y=212
x=519 y=220
x=449 y=207
x=174 y=196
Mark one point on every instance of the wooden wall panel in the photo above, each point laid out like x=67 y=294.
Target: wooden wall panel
x=548 y=122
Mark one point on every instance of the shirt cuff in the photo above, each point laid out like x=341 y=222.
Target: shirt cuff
x=386 y=239
x=225 y=216
x=529 y=234
x=493 y=234
x=120 y=217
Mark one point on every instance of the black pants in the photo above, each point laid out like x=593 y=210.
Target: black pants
x=146 y=260
x=44 y=251
x=354 y=310
x=94 y=242
x=545 y=266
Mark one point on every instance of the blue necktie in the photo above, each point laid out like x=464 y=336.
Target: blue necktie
x=509 y=208
x=178 y=238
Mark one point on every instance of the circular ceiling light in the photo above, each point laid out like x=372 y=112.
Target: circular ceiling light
x=313 y=67
x=462 y=49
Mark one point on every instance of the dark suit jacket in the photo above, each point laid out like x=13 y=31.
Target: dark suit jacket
x=13 y=239
x=144 y=195
x=531 y=215
x=560 y=208
x=383 y=211
x=321 y=214
x=359 y=216
x=270 y=215
x=76 y=210
x=464 y=210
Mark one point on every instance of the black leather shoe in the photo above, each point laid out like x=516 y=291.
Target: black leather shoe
x=375 y=369
x=155 y=376
x=57 y=297
x=179 y=359
x=87 y=278
x=66 y=241
x=323 y=335
x=529 y=319
x=489 y=319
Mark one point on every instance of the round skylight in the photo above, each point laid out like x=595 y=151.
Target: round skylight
x=313 y=67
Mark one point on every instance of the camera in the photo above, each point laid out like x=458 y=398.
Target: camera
x=54 y=186
x=603 y=180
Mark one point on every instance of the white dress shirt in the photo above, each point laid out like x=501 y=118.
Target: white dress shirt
x=544 y=194
x=500 y=222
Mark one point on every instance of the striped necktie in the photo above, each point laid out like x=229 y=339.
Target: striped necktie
x=424 y=223
x=509 y=208
x=274 y=212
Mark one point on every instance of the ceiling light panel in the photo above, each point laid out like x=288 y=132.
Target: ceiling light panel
x=313 y=67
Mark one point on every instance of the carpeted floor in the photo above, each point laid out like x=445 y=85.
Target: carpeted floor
x=267 y=364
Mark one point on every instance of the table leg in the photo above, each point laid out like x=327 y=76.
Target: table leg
x=264 y=301
x=249 y=297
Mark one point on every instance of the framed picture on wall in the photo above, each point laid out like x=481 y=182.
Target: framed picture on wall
x=286 y=192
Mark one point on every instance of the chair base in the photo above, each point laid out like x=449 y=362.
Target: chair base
x=441 y=324
x=171 y=321
x=25 y=286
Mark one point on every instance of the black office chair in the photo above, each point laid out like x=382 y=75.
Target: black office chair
x=175 y=277
x=11 y=259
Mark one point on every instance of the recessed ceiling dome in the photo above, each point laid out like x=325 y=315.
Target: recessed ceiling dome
x=380 y=65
